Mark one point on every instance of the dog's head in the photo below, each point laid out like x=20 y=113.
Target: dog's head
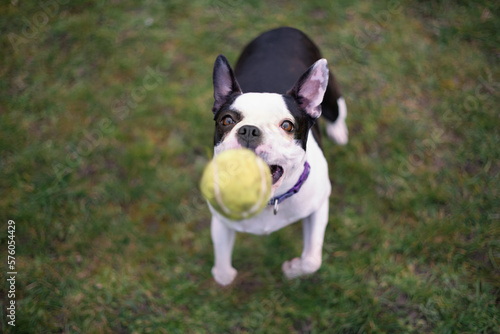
x=274 y=126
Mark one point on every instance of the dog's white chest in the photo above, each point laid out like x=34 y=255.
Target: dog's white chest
x=313 y=193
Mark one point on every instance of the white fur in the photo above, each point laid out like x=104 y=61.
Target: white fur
x=308 y=200
x=337 y=130
x=267 y=111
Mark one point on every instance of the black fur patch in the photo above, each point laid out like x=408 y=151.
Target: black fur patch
x=303 y=122
x=220 y=129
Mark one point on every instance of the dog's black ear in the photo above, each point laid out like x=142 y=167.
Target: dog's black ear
x=225 y=82
x=309 y=90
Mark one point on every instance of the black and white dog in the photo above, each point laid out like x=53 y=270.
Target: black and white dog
x=270 y=104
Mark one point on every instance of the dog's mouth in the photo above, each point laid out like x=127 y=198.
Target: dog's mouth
x=276 y=172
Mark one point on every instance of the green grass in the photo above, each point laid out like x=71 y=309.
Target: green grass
x=105 y=127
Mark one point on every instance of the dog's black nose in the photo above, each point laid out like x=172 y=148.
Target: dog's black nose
x=249 y=136
x=249 y=132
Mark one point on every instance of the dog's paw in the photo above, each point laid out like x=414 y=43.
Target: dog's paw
x=299 y=267
x=224 y=277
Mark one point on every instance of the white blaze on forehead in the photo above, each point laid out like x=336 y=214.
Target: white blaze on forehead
x=262 y=108
x=267 y=111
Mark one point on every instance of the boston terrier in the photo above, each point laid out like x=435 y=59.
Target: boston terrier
x=270 y=104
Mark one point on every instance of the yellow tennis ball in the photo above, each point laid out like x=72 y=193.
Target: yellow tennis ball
x=237 y=183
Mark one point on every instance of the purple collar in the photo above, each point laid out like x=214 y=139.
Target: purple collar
x=275 y=201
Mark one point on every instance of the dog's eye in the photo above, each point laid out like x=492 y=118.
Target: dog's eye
x=227 y=120
x=287 y=126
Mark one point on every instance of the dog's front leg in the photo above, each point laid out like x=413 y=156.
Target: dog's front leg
x=314 y=232
x=223 y=240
